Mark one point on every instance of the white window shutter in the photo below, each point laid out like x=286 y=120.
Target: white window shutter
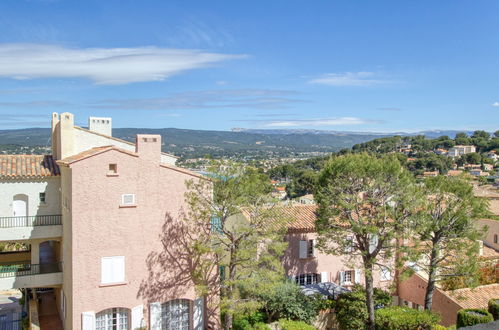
x=324 y=277
x=155 y=311
x=358 y=275
x=138 y=317
x=119 y=269
x=198 y=318
x=342 y=278
x=88 y=321
x=313 y=248
x=303 y=250
x=373 y=243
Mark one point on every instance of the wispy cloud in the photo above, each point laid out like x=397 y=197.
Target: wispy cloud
x=23 y=120
x=313 y=122
x=495 y=104
x=357 y=79
x=107 y=66
x=36 y=104
x=207 y=99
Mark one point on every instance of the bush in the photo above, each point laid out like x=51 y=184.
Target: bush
x=287 y=301
x=294 y=325
x=404 y=318
x=261 y=326
x=351 y=309
x=438 y=327
x=249 y=321
x=472 y=316
x=494 y=308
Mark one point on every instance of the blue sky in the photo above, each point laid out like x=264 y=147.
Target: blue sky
x=343 y=65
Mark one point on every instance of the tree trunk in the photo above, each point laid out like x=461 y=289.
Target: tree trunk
x=428 y=299
x=368 y=269
x=229 y=291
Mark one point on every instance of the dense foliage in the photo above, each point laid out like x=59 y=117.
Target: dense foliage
x=294 y=325
x=404 y=318
x=351 y=310
x=467 y=317
x=494 y=308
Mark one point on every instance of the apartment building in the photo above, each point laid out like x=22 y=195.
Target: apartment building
x=102 y=222
x=460 y=150
x=307 y=265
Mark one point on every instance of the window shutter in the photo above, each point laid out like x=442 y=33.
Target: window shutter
x=119 y=269
x=324 y=277
x=313 y=248
x=198 y=317
x=138 y=317
x=342 y=278
x=373 y=243
x=113 y=269
x=358 y=274
x=155 y=316
x=303 y=249
x=88 y=321
x=106 y=270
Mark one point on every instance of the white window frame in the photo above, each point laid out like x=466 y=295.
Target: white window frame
x=113 y=318
x=385 y=274
x=115 y=265
x=124 y=196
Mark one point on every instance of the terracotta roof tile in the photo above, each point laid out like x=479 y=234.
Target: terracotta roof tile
x=90 y=153
x=27 y=166
x=301 y=217
x=475 y=298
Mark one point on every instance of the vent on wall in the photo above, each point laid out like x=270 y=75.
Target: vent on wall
x=128 y=199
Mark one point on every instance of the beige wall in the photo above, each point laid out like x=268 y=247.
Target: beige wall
x=493 y=229
x=67 y=246
x=413 y=290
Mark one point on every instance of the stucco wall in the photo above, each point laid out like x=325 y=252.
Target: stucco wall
x=332 y=264
x=67 y=243
x=413 y=290
x=148 y=235
x=493 y=229
x=85 y=140
x=32 y=188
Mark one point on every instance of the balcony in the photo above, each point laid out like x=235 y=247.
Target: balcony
x=22 y=274
x=30 y=227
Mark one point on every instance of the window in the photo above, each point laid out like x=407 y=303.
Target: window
x=349 y=245
x=113 y=169
x=216 y=225
x=311 y=248
x=495 y=238
x=42 y=198
x=349 y=276
x=385 y=274
x=128 y=199
x=306 y=279
x=154 y=140
x=175 y=315
x=112 y=270
x=112 y=319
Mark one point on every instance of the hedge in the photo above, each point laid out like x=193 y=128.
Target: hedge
x=494 y=308
x=294 y=325
x=404 y=318
x=472 y=316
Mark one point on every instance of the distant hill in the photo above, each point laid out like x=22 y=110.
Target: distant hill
x=238 y=143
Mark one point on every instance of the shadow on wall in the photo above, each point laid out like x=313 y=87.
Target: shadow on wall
x=177 y=268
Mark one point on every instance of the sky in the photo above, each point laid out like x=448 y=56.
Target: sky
x=378 y=66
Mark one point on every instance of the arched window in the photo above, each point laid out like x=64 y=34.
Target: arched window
x=175 y=315
x=112 y=319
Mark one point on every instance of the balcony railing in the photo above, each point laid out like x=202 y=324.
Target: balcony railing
x=30 y=221
x=26 y=269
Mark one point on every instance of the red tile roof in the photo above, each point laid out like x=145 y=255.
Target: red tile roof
x=16 y=166
x=92 y=152
x=475 y=298
x=301 y=217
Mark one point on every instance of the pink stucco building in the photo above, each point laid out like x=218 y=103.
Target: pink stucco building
x=117 y=247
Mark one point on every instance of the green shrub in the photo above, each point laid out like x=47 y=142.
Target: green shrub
x=294 y=325
x=261 y=326
x=248 y=321
x=351 y=309
x=472 y=316
x=438 y=327
x=494 y=308
x=404 y=318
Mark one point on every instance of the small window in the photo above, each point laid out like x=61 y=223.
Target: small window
x=42 y=198
x=495 y=238
x=128 y=199
x=144 y=139
x=311 y=248
x=112 y=270
x=349 y=276
x=154 y=140
x=307 y=279
x=113 y=169
x=385 y=274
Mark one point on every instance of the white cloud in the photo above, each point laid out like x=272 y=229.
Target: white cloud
x=495 y=104
x=358 y=79
x=341 y=121
x=109 y=66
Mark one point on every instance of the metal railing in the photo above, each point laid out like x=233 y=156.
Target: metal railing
x=31 y=221
x=26 y=269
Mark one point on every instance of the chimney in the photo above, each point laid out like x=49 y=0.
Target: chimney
x=55 y=136
x=101 y=125
x=66 y=141
x=148 y=146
